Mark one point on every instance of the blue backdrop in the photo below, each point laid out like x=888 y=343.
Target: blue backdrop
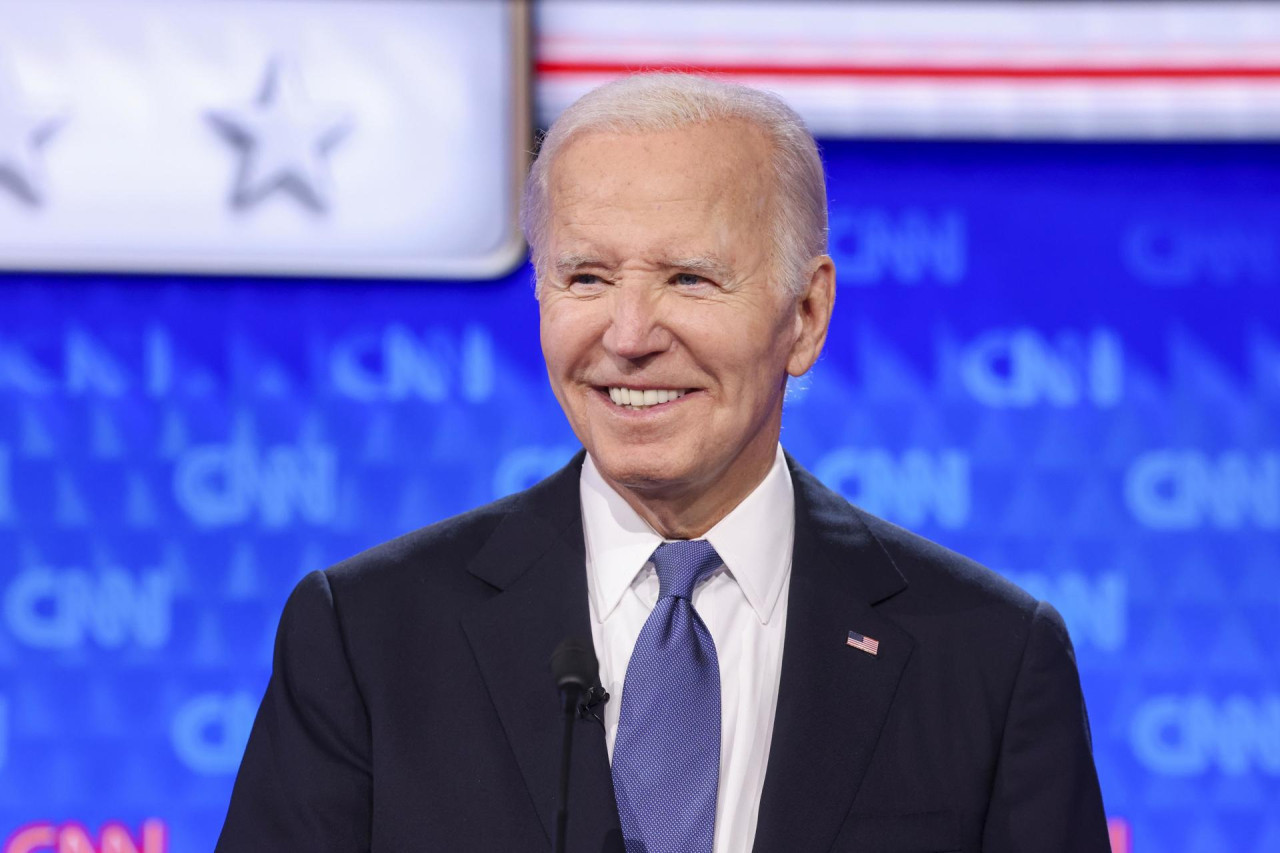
x=1060 y=359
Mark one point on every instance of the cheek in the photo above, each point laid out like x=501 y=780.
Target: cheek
x=567 y=334
x=760 y=356
x=546 y=336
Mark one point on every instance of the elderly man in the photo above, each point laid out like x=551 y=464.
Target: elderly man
x=786 y=672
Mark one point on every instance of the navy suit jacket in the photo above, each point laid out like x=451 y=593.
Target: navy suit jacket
x=411 y=707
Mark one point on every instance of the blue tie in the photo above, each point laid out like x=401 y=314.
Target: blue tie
x=666 y=758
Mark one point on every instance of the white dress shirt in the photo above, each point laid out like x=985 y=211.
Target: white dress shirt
x=744 y=606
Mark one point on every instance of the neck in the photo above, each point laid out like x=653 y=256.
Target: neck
x=689 y=513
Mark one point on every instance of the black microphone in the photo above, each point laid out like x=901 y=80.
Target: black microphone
x=576 y=671
x=594 y=699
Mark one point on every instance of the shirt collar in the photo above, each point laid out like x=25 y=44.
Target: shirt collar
x=754 y=540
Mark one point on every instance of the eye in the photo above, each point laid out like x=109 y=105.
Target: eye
x=585 y=282
x=687 y=279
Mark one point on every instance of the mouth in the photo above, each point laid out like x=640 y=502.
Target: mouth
x=641 y=399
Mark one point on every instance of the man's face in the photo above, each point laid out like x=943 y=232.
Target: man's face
x=659 y=291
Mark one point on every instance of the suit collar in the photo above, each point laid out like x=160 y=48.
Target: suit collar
x=535 y=558
x=862 y=565
x=533 y=521
x=833 y=698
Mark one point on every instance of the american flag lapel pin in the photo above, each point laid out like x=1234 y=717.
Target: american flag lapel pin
x=866 y=644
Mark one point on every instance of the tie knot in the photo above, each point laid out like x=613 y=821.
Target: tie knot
x=682 y=564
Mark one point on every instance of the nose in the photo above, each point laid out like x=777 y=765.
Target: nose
x=636 y=328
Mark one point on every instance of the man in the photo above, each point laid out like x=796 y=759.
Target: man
x=787 y=673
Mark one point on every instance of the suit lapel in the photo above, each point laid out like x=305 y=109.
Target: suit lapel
x=536 y=558
x=833 y=698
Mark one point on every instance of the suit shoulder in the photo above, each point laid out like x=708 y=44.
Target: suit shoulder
x=437 y=553
x=443 y=542
x=949 y=596
x=937 y=578
x=942 y=577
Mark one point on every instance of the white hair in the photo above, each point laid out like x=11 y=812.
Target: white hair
x=663 y=101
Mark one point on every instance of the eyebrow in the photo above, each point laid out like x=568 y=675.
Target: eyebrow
x=712 y=267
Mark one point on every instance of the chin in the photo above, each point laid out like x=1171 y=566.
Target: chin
x=641 y=469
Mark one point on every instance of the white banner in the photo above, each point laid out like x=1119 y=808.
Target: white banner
x=329 y=137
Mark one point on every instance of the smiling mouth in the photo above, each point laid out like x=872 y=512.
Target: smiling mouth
x=637 y=399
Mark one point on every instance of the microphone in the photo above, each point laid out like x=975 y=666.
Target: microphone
x=577 y=674
x=574 y=667
x=595 y=698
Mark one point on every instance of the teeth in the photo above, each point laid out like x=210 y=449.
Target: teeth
x=638 y=399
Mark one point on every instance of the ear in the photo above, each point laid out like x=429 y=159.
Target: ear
x=813 y=316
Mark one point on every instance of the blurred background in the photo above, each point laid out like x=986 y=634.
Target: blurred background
x=264 y=304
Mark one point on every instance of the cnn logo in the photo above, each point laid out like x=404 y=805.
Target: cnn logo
x=75 y=838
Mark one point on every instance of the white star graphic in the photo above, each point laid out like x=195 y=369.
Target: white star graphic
x=24 y=128
x=283 y=137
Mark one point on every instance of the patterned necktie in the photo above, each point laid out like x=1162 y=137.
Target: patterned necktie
x=666 y=758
